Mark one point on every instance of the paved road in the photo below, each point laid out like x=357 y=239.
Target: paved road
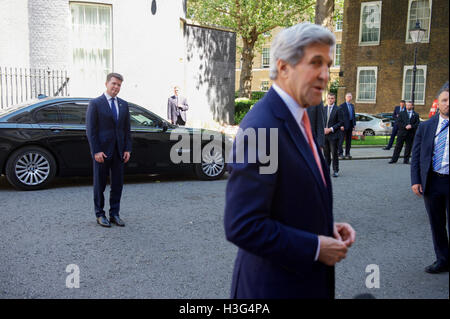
x=173 y=245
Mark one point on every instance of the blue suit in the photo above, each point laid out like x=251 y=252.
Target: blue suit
x=349 y=123
x=395 y=115
x=275 y=219
x=112 y=138
x=435 y=188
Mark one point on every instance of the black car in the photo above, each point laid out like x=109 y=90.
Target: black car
x=46 y=138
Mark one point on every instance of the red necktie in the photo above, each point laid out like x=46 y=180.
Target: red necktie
x=307 y=126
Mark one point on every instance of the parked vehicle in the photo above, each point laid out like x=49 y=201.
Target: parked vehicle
x=46 y=138
x=371 y=125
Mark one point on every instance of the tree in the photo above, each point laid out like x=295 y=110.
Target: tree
x=250 y=19
x=324 y=13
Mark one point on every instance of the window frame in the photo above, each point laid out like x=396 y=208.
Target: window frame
x=261 y=85
x=265 y=66
x=409 y=41
x=363 y=5
x=363 y=68
x=341 y=23
x=340 y=54
x=411 y=67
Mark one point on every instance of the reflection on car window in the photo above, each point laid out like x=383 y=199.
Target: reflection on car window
x=47 y=115
x=139 y=118
x=73 y=113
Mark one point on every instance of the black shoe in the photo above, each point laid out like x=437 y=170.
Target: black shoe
x=392 y=162
x=116 y=220
x=341 y=157
x=436 y=268
x=405 y=162
x=348 y=157
x=102 y=221
x=335 y=174
x=386 y=148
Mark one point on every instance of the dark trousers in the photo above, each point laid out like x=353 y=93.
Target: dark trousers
x=345 y=135
x=180 y=121
x=408 y=141
x=330 y=150
x=114 y=168
x=436 y=200
x=393 y=134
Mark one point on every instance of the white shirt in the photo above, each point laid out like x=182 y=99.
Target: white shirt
x=297 y=112
x=444 y=166
x=115 y=102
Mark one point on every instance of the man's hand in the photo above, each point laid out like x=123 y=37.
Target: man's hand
x=331 y=250
x=99 y=157
x=342 y=128
x=327 y=130
x=417 y=189
x=408 y=127
x=126 y=156
x=345 y=233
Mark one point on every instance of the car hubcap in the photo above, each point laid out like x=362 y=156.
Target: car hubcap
x=213 y=163
x=32 y=169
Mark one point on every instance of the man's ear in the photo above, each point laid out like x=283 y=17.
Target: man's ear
x=283 y=68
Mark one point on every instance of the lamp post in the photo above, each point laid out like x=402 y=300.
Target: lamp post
x=417 y=35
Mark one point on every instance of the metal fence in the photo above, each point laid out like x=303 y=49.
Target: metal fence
x=19 y=85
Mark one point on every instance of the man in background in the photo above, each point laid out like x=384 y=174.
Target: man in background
x=176 y=108
x=333 y=122
x=397 y=110
x=348 y=114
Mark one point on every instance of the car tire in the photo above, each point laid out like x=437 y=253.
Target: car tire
x=213 y=164
x=30 y=168
x=369 y=132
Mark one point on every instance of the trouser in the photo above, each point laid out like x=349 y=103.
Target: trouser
x=330 y=151
x=408 y=141
x=113 y=167
x=393 y=134
x=436 y=199
x=345 y=135
x=180 y=121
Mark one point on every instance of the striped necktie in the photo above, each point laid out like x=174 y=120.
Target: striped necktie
x=439 y=148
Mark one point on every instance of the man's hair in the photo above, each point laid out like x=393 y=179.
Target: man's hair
x=114 y=75
x=410 y=102
x=444 y=88
x=349 y=93
x=290 y=44
x=332 y=94
x=402 y=101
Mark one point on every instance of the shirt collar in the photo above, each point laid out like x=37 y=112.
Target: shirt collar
x=296 y=110
x=108 y=97
x=441 y=119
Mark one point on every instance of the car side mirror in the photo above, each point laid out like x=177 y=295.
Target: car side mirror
x=164 y=126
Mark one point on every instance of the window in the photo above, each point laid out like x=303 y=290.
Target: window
x=47 y=115
x=265 y=86
x=266 y=57
x=337 y=55
x=140 y=118
x=370 y=23
x=419 y=10
x=91 y=46
x=366 y=89
x=339 y=24
x=421 y=77
x=73 y=113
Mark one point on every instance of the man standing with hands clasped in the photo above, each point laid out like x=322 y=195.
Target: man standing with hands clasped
x=348 y=114
x=108 y=133
x=430 y=177
x=176 y=108
x=282 y=219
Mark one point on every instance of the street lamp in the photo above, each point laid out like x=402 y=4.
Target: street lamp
x=417 y=35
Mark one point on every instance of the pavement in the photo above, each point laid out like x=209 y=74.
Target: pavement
x=372 y=152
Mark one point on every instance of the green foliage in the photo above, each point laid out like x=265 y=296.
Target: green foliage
x=241 y=107
x=257 y=95
x=333 y=87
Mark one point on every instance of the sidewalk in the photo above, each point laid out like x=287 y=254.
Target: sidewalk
x=372 y=152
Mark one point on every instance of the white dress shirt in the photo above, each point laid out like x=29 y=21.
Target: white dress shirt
x=116 y=102
x=444 y=166
x=297 y=112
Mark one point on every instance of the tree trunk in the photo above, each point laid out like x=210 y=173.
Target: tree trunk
x=245 y=81
x=324 y=13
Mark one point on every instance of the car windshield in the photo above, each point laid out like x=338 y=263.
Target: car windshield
x=13 y=108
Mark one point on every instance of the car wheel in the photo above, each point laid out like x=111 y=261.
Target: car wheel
x=369 y=132
x=30 y=168
x=213 y=163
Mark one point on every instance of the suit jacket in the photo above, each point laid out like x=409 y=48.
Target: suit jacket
x=348 y=123
x=173 y=110
x=317 y=123
x=422 y=151
x=102 y=131
x=335 y=121
x=403 y=120
x=274 y=219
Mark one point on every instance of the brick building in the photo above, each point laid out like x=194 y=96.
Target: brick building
x=378 y=54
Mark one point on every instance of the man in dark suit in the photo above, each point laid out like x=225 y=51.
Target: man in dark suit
x=408 y=122
x=333 y=122
x=430 y=177
x=315 y=114
x=282 y=220
x=109 y=136
x=397 y=110
x=176 y=108
x=348 y=114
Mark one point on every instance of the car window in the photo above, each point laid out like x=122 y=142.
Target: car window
x=73 y=113
x=140 y=118
x=357 y=117
x=47 y=114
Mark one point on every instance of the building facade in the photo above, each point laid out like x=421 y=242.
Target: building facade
x=378 y=53
x=145 y=40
